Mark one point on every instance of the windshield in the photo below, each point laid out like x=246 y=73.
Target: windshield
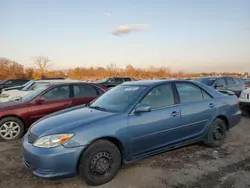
x=27 y=83
x=26 y=88
x=104 y=80
x=33 y=94
x=118 y=99
x=34 y=85
x=207 y=81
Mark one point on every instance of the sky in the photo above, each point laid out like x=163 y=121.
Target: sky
x=184 y=35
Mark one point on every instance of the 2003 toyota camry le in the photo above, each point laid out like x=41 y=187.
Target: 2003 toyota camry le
x=129 y=122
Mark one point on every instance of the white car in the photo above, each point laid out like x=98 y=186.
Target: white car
x=245 y=101
x=13 y=95
x=10 y=95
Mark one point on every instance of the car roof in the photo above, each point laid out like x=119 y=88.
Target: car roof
x=207 y=77
x=56 y=81
x=151 y=82
x=71 y=82
x=220 y=77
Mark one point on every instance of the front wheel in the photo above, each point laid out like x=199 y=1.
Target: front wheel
x=100 y=163
x=11 y=128
x=216 y=133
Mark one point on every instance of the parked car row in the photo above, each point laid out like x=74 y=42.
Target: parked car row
x=237 y=85
x=11 y=83
x=224 y=83
x=14 y=94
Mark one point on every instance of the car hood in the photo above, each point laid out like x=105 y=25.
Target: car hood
x=9 y=104
x=13 y=94
x=67 y=121
x=16 y=92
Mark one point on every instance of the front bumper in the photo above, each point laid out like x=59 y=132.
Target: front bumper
x=50 y=163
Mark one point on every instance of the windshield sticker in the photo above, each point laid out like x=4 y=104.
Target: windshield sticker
x=131 y=89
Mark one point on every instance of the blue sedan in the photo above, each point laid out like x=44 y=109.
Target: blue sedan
x=129 y=122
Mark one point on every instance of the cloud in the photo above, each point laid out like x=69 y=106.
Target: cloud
x=126 y=29
x=107 y=14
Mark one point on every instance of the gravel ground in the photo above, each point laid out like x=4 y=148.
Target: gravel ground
x=194 y=166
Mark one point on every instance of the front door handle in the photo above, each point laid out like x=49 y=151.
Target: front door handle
x=211 y=105
x=174 y=114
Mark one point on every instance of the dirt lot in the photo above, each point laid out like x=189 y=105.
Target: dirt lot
x=193 y=166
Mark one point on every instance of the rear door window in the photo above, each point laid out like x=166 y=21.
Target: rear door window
x=82 y=91
x=189 y=92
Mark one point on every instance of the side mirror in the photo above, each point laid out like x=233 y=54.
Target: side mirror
x=142 y=108
x=39 y=100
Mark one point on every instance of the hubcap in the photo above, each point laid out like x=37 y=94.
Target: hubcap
x=101 y=163
x=9 y=130
x=218 y=132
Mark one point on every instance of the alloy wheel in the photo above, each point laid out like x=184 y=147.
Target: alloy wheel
x=9 y=130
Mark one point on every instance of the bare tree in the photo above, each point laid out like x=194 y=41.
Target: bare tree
x=42 y=63
x=111 y=69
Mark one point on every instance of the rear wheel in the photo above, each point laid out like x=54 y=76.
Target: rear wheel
x=216 y=133
x=100 y=163
x=11 y=128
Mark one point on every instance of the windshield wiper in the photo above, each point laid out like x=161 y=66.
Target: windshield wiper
x=98 y=108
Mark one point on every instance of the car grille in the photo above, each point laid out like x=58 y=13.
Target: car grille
x=32 y=138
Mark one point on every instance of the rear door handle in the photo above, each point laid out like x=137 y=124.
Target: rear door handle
x=211 y=105
x=174 y=114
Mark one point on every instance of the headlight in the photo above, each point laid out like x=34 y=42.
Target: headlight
x=243 y=95
x=52 y=140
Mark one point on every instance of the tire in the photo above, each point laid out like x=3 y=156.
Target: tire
x=245 y=113
x=104 y=153
x=216 y=133
x=11 y=128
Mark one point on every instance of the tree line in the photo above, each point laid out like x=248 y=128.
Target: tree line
x=10 y=69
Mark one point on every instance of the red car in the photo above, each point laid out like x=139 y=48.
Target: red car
x=17 y=116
